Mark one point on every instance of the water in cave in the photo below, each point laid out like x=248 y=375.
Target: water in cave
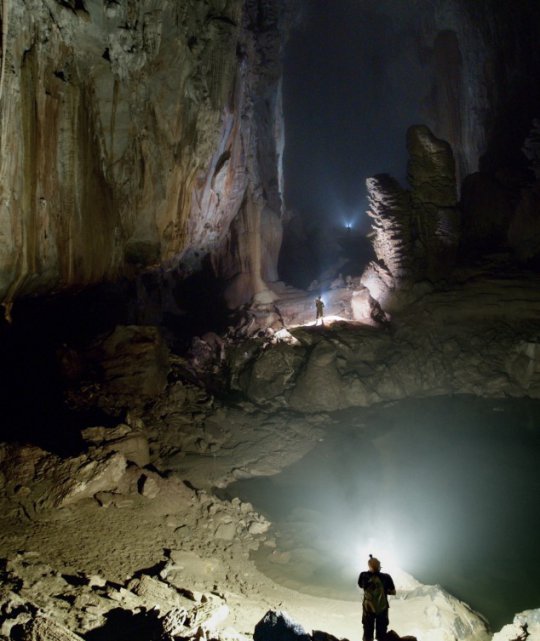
x=445 y=487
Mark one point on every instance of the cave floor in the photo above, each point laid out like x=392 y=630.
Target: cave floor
x=137 y=534
x=209 y=444
x=118 y=542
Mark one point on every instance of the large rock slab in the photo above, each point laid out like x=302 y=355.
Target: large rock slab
x=319 y=386
x=430 y=613
x=40 y=480
x=133 y=444
x=272 y=373
x=478 y=338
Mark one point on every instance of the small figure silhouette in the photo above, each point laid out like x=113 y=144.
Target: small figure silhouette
x=319 y=306
x=377 y=586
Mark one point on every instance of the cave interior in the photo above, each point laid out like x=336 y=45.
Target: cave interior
x=191 y=446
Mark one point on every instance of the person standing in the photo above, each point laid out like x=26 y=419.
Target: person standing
x=319 y=307
x=377 y=586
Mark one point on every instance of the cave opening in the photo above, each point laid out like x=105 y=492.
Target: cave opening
x=347 y=106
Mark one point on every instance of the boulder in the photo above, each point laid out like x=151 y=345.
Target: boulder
x=80 y=478
x=157 y=594
x=134 y=364
x=42 y=628
x=319 y=387
x=18 y=464
x=271 y=373
x=131 y=443
x=429 y=612
x=134 y=447
x=278 y=625
x=201 y=619
x=226 y=531
x=149 y=487
x=526 y=625
x=42 y=480
x=380 y=283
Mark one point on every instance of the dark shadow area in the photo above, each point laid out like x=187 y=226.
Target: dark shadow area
x=153 y=570
x=32 y=392
x=357 y=251
x=39 y=351
x=76 y=580
x=200 y=296
x=123 y=625
x=445 y=488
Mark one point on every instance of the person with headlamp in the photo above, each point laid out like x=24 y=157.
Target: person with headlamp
x=377 y=586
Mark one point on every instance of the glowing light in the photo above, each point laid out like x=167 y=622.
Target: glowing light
x=284 y=336
x=349 y=219
x=385 y=553
x=391 y=561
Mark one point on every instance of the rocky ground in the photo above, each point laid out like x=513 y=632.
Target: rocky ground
x=105 y=548
x=127 y=539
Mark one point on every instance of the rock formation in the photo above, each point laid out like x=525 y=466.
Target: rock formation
x=390 y=209
x=31 y=605
x=442 y=344
x=432 y=177
x=135 y=134
x=416 y=232
x=526 y=625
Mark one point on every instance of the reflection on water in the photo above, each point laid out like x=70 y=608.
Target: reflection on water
x=448 y=488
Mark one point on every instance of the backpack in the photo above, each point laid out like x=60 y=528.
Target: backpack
x=375 y=600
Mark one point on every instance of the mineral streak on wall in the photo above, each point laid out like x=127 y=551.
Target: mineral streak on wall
x=133 y=133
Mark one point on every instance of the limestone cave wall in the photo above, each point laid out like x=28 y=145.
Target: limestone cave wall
x=133 y=132
x=483 y=57
x=485 y=99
